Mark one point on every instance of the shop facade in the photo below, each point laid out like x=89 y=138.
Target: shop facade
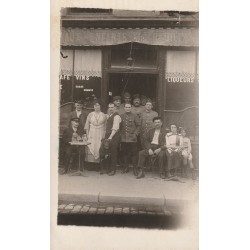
x=154 y=54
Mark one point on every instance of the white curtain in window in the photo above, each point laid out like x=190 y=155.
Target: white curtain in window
x=88 y=63
x=180 y=63
x=66 y=62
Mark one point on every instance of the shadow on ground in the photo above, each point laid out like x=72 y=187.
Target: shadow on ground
x=131 y=221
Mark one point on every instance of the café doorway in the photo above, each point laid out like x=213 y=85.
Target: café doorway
x=134 y=83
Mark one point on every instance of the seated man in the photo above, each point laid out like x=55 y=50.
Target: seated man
x=155 y=146
x=173 y=150
x=72 y=133
x=186 y=149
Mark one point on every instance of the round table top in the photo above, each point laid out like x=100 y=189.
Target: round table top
x=80 y=143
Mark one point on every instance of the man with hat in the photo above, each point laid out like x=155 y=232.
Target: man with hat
x=78 y=113
x=130 y=129
x=137 y=108
x=126 y=99
x=72 y=133
x=117 y=102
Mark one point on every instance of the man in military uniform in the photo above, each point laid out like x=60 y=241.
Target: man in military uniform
x=147 y=121
x=126 y=99
x=154 y=147
x=137 y=108
x=173 y=150
x=130 y=128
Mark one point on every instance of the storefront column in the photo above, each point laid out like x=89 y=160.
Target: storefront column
x=161 y=81
x=106 y=54
x=73 y=78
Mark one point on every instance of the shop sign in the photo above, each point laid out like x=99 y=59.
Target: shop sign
x=179 y=79
x=99 y=37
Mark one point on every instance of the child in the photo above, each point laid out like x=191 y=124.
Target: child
x=186 y=149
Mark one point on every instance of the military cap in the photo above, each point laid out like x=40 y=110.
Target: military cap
x=136 y=96
x=149 y=100
x=116 y=98
x=79 y=102
x=126 y=95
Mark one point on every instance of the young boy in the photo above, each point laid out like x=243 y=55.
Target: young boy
x=186 y=149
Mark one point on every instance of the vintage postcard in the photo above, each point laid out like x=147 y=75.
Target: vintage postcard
x=124 y=125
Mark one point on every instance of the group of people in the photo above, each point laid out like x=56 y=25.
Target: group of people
x=127 y=134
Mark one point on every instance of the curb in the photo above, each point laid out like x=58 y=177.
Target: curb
x=161 y=201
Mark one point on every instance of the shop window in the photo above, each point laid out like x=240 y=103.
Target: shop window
x=181 y=90
x=87 y=74
x=85 y=80
x=133 y=55
x=181 y=81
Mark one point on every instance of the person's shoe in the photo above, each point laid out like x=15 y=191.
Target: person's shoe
x=65 y=171
x=111 y=173
x=126 y=170
x=163 y=176
x=142 y=175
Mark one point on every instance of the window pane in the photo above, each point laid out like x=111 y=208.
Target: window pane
x=135 y=55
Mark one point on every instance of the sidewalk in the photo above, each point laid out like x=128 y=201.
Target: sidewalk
x=125 y=189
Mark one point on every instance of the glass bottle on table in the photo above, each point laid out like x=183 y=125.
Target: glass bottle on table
x=74 y=137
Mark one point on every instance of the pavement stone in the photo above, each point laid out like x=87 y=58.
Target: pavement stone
x=101 y=210
x=69 y=207
x=125 y=210
x=109 y=210
x=76 y=209
x=85 y=209
x=117 y=210
x=92 y=210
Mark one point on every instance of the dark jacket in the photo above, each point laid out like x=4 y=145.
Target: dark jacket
x=68 y=132
x=161 y=140
x=129 y=127
x=82 y=117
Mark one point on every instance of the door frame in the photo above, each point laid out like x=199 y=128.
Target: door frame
x=158 y=71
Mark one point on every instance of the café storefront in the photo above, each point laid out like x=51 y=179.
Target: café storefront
x=159 y=63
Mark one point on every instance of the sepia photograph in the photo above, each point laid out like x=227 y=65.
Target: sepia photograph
x=129 y=118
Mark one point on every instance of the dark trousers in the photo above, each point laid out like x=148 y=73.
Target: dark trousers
x=129 y=152
x=105 y=164
x=69 y=151
x=143 y=155
x=173 y=160
x=114 y=147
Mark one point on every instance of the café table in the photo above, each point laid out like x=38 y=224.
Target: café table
x=79 y=144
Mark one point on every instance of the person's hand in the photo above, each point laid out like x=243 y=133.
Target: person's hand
x=157 y=151
x=150 y=151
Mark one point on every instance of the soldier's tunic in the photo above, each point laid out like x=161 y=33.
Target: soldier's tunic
x=120 y=110
x=130 y=128
x=138 y=110
x=147 y=121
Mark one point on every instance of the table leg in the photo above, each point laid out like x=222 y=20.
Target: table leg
x=79 y=172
